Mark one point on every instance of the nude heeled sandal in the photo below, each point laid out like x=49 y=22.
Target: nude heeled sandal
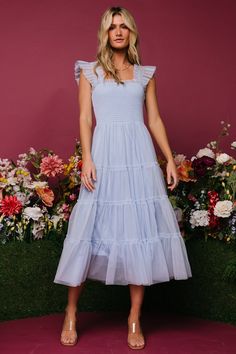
x=133 y=324
x=72 y=327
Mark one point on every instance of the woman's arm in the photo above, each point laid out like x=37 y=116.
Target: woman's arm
x=85 y=119
x=158 y=130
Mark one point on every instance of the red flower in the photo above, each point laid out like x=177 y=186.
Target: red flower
x=10 y=205
x=79 y=165
x=192 y=197
x=213 y=199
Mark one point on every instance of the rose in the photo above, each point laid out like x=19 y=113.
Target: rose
x=207 y=161
x=223 y=208
x=200 y=165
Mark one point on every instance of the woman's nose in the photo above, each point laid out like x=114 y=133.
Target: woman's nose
x=118 y=31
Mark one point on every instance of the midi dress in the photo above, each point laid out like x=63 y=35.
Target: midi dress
x=125 y=231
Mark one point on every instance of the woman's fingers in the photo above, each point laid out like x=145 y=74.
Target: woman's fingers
x=94 y=174
x=175 y=180
x=87 y=181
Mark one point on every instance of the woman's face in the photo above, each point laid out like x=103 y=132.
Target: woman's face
x=118 y=33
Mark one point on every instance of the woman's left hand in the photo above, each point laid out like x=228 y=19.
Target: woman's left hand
x=172 y=173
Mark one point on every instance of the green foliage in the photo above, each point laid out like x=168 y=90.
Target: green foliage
x=27 y=271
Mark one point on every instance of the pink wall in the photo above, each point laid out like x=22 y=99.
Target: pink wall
x=191 y=42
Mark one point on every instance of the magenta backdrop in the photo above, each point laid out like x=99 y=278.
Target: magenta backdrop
x=192 y=43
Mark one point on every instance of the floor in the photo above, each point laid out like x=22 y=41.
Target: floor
x=106 y=333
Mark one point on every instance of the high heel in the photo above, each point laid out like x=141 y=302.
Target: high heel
x=69 y=325
x=133 y=331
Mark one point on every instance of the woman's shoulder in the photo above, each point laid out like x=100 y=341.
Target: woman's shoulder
x=147 y=72
x=148 y=67
x=87 y=67
x=84 y=63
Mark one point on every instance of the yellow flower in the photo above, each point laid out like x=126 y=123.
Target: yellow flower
x=22 y=172
x=2 y=179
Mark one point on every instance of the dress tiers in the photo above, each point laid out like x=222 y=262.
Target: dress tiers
x=125 y=231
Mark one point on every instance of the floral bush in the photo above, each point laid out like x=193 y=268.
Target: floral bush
x=204 y=200
x=38 y=192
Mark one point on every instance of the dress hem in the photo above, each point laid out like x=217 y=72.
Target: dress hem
x=61 y=282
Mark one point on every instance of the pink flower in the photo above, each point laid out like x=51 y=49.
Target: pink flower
x=10 y=205
x=51 y=166
x=65 y=207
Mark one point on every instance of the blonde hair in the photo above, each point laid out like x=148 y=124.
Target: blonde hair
x=105 y=51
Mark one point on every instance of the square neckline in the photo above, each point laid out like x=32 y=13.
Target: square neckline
x=128 y=80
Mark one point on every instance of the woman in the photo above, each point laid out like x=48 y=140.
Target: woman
x=123 y=229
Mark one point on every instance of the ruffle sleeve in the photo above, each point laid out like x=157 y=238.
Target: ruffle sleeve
x=147 y=73
x=87 y=68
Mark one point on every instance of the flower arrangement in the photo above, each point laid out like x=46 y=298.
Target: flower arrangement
x=37 y=194
x=39 y=191
x=204 y=200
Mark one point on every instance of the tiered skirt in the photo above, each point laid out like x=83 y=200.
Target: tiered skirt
x=125 y=231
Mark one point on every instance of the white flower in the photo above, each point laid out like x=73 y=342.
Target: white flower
x=223 y=208
x=38 y=230
x=21 y=197
x=179 y=158
x=233 y=145
x=199 y=218
x=222 y=158
x=37 y=184
x=16 y=188
x=205 y=152
x=33 y=213
x=55 y=219
x=12 y=181
x=212 y=144
x=32 y=151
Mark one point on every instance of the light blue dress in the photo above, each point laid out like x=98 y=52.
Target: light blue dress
x=125 y=231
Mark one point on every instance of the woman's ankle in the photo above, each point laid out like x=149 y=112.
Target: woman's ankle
x=70 y=309
x=134 y=315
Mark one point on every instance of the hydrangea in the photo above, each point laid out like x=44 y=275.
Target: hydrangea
x=199 y=218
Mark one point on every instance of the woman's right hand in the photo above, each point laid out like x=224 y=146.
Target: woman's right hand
x=88 y=173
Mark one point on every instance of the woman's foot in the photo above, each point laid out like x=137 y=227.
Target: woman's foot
x=69 y=334
x=135 y=335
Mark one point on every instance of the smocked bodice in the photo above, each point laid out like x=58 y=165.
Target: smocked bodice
x=113 y=102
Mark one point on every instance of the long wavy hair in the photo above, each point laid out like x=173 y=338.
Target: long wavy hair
x=105 y=51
